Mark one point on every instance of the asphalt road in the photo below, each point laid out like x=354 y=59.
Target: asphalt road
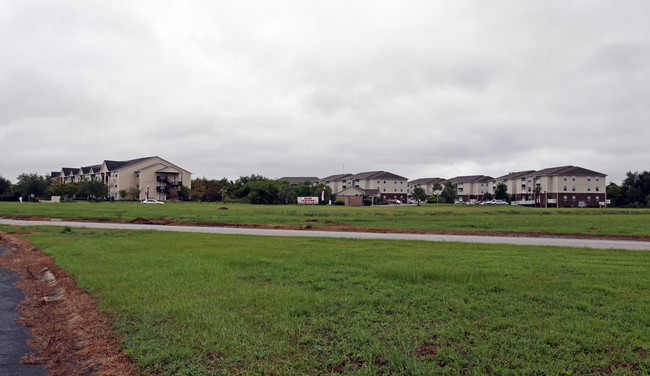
x=543 y=241
x=13 y=336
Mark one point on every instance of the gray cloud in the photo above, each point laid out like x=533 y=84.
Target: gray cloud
x=302 y=88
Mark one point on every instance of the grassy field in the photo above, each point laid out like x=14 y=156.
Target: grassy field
x=213 y=304
x=630 y=222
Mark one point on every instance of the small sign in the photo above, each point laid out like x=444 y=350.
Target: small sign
x=308 y=200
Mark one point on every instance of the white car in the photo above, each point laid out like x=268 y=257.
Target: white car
x=151 y=201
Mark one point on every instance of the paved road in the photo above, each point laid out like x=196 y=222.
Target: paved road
x=13 y=336
x=544 y=241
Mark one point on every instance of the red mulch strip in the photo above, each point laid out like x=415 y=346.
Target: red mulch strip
x=69 y=334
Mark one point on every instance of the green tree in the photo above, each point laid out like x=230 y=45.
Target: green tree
x=537 y=190
x=501 y=192
x=487 y=196
x=304 y=189
x=93 y=189
x=123 y=194
x=437 y=190
x=32 y=183
x=5 y=185
x=65 y=190
x=133 y=193
x=419 y=194
x=318 y=191
x=449 y=193
x=286 y=192
x=264 y=192
x=184 y=194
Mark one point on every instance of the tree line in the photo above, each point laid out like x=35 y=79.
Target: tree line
x=257 y=189
x=634 y=192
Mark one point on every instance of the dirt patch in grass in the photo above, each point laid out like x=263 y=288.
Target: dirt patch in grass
x=70 y=335
x=333 y=226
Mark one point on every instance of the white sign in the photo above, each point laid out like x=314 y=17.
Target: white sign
x=308 y=200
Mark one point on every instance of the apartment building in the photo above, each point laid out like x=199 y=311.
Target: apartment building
x=427 y=184
x=381 y=184
x=472 y=187
x=564 y=186
x=153 y=176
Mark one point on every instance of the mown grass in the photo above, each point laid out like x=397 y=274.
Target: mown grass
x=199 y=304
x=629 y=222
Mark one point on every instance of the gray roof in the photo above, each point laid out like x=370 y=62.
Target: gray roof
x=116 y=165
x=471 y=179
x=567 y=170
x=335 y=177
x=376 y=175
x=426 y=181
x=516 y=175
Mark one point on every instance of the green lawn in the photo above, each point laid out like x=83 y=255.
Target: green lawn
x=632 y=222
x=204 y=304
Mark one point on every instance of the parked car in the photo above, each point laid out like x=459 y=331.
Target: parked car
x=151 y=201
x=496 y=202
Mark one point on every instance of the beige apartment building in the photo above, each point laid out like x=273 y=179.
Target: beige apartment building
x=427 y=184
x=381 y=184
x=472 y=188
x=565 y=186
x=155 y=177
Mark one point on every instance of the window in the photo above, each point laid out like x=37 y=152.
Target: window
x=588 y=188
x=530 y=189
x=384 y=181
x=573 y=188
x=565 y=198
x=573 y=178
x=597 y=197
x=573 y=198
x=565 y=188
x=588 y=178
x=384 y=189
x=395 y=190
x=565 y=178
x=401 y=181
x=589 y=198
x=395 y=182
x=597 y=189
x=597 y=178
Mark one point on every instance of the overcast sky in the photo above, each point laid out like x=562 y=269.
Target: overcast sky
x=315 y=88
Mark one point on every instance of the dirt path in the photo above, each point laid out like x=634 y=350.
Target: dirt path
x=69 y=333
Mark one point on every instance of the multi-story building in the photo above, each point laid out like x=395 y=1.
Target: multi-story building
x=517 y=183
x=153 y=176
x=381 y=184
x=427 y=184
x=473 y=187
x=336 y=182
x=565 y=186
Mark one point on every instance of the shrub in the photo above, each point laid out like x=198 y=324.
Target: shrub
x=339 y=202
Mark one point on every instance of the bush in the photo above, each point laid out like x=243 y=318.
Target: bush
x=367 y=201
x=339 y=202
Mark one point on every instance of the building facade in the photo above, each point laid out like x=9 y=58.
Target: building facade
x=427 y=184
x=472 y=188
x=381 y=184
x=154 y=177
